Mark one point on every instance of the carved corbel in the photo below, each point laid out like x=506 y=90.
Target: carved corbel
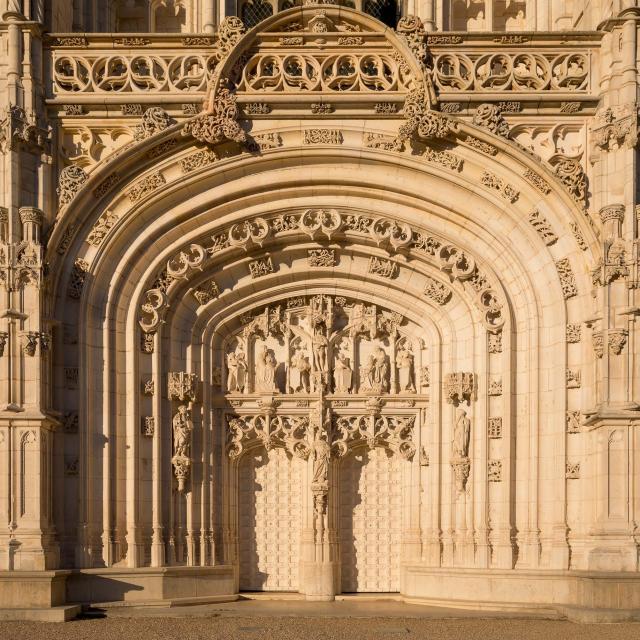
x=616 y=128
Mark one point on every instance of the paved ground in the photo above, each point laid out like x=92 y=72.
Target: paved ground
x=279 y=620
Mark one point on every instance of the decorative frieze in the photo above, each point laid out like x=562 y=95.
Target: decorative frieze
x=73 y=110
x=495 y=387
x=147 y=341
x=261 y=267
x=459 y=387
x=147 y=185
x=385 y=108
x=207 y=292
x=445 y=158
x=167 y=146
x=572 y=471
x=321 y=257
x=616 y=127
x=597 y=342
x=190 y=109
x=321 y=108
x=131 y=109
x=322 y=136
x=573 y=422
x=154 y=120
x=437 y=291
x=101 y=228
x=148 y=427
x=106 y=185
x=494 y=428
x=182 y=386
x=77 y=278
x=71 y=377
x=488 y=116
x=537 y=181
x=574 y=333
x=494 y=471
x=148 y=387
x=69 y=183
x=198 y=160
x=450 y=107
x=381 y=141
x=570 y=107
x=481 y=145
x=617 y=339
x=495 y=342
x=382 y=267
x=567 y=279
x=577 y=234
x=573 y=177
x=71 y=422
x=257 y=109
x=492 y=181
x=573 y=379
x=540 y=224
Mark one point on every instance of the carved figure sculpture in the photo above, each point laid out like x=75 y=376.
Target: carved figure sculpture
x=266 y=365
x=300 y=362
x=320 y=343
x=380 y=373
x=461 y=434
x=321 y=462
x=406 y=375
x=241 y=371
x=343 y=374
x=232 y=372
x=182 y=428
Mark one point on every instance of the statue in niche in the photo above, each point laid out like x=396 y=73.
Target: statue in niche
x=182 y=428
x=241 y=375
x=342 y=374
x=320 y=343
x=299 y=361
x=321 y=453
x=461 y=434
x=379 y=370
x=266 y=365
x=236 y=371
x=404 y=361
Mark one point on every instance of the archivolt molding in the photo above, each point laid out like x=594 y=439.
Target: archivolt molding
x=391 y=235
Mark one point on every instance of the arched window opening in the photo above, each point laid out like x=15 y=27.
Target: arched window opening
x=469 y=15
x=384 y=10
x=509 y=15
x=132 y=16
x=169 y=16
x=255 y=11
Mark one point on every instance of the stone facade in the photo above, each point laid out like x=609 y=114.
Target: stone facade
x=321 y=306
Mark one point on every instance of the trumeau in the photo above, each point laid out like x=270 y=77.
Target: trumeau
x=313 y=302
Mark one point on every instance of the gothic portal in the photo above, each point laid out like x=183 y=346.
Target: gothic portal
x=335 y=299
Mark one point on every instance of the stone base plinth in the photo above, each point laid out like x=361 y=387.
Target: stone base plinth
x=32 y=589
x=166 y=586
x=52 y=614
x=580 y=596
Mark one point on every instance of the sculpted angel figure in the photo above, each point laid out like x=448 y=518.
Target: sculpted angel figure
x=461 y=434
x=182 y=428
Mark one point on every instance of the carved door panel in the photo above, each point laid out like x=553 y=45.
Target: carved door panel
x=269 y=520
x=370 y=521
